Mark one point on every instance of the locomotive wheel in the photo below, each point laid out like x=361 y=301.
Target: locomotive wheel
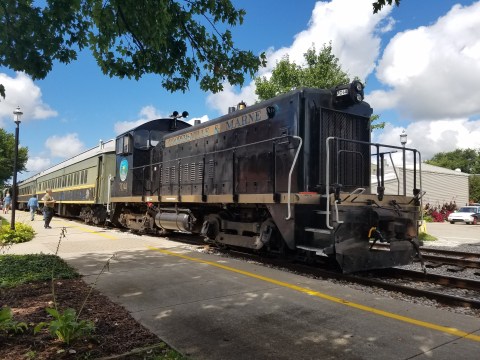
x=276 y=244
x=211 y=226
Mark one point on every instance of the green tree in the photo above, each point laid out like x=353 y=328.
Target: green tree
x=378 y=5
x=7 y=154
x=179 y=40
x=322 y=70
x=474 y=188
x=467 y=160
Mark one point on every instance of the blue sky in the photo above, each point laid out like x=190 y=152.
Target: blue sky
x=421 y=63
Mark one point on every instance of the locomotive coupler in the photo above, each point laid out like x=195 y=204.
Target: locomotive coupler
x=376 y=235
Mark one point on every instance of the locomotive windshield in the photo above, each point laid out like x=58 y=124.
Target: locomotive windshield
x=155 y=137
x=145 y=139
x=140 y=139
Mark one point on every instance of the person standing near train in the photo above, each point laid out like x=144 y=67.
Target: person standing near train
x=7 y=201
x=48 y=205
x=33 y=205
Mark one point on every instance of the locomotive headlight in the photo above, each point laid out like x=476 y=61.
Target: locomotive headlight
x=349 y=94
x=357 y=91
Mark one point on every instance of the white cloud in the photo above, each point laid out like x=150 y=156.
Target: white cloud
x=351 y=26
x=432 y=137
x=36 y=164
x=64 y=146
x=433 y=71
x=231 y=97
x=202 y=119
x=21 y=91
x=148 y=113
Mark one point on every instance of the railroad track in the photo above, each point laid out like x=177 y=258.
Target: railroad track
x=438 y=257
x=441 y=291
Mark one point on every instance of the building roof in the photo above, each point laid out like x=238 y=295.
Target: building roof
x=426 y=168
x=438 y=170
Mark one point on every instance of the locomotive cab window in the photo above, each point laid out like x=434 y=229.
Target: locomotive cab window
x=155 y=137
x=141 y=139
x=123 y=145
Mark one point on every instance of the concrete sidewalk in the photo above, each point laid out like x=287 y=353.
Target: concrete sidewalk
x=212 y=307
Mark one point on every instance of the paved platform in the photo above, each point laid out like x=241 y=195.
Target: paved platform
x=452 y=235
x=211 y=307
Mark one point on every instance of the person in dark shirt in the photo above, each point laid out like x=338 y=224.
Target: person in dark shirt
x=48 y=208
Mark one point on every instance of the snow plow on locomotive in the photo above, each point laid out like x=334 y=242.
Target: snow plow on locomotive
x=291 y=174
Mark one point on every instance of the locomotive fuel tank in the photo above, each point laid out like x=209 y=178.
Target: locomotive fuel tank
x=178 y=221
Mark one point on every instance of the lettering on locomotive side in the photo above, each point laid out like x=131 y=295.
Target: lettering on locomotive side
x=227 y=125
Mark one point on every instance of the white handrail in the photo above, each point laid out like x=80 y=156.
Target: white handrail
x=289 y=212
x=110 y=179
x=327 y=182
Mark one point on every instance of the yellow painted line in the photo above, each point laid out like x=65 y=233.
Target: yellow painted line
x=90 y=231
x=444 y=329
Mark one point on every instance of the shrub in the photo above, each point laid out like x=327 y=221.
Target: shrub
x=426 y=237
x=428 y=218
x=66 y=326
x=7 y=324
x=22 y=233
x=21 y=269
x=438 y=213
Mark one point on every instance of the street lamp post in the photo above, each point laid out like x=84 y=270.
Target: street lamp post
x=403 y=141
x=16 y=116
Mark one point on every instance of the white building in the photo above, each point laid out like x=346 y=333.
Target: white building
x=441 y=185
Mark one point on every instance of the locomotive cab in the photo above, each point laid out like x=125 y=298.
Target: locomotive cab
x=137 y=159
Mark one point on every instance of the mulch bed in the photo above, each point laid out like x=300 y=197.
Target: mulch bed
x=116 y=331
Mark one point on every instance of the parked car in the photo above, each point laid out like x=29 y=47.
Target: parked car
x=466 y=214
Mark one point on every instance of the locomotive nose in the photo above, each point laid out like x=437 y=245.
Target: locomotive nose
x=362 y=227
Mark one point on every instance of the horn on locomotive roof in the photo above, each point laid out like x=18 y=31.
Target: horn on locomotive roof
x=175 y=115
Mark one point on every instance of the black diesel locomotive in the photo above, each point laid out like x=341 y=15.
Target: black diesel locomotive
x=291 y=174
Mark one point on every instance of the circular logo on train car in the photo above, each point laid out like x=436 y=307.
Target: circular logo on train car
x=123 y=170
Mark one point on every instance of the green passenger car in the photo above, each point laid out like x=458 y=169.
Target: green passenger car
x=80 y=184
